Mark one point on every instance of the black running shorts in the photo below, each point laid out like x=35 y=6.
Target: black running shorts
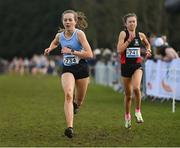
x=79 y=71
x=127 y=70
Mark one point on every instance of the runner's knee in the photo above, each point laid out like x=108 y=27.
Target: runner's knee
x=69 y=95
x=136 y=90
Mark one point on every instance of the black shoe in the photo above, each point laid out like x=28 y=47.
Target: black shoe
x=76 y=108
x=68 y=132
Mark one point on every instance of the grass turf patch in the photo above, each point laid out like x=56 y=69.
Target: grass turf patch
x=32 y=114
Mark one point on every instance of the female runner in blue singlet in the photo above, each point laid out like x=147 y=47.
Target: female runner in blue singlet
x=75 y=73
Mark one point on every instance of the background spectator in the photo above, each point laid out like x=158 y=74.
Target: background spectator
x=164 y=51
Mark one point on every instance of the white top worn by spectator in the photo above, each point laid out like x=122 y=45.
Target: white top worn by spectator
x=167 y=53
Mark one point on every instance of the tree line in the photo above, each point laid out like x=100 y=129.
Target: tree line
x=28 y=26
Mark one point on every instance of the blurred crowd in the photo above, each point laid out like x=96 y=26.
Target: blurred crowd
x=40 y=64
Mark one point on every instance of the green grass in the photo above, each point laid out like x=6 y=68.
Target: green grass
x=31 y=114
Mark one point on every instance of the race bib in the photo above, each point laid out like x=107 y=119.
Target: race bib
x=133 y=52
x=69 y=60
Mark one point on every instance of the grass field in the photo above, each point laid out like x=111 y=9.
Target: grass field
x=31 y=114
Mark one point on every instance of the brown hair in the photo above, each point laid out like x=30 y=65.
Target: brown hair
x=79 y=17
x=127 y=16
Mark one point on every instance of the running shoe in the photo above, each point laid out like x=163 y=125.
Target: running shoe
x=128 y=123
x=76 y=108
x=68 y=132
x=139 y=118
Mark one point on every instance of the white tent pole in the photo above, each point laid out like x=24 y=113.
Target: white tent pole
x=174 y=95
